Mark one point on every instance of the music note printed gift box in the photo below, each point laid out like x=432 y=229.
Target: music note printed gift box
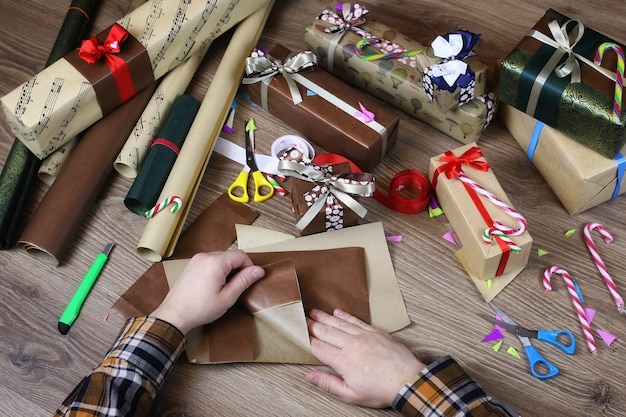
x=77 y=90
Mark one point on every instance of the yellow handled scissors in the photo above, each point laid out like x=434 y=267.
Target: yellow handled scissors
x=238 y=190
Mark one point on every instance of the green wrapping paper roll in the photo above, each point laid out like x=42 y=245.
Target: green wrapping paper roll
x=21 y=165
x=146 y=188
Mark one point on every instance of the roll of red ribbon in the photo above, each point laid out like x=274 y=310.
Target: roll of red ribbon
x=409 y=181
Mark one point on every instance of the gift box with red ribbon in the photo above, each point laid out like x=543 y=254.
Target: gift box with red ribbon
x=77 y=90
x=444 y=84
x=569 y=77
x=493 y=237
x=324 y=197
x=339 y=118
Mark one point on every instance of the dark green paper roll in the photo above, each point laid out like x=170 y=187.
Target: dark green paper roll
x=151 y=178
x=20 y=168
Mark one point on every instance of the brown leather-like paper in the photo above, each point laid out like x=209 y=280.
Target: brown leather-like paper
x=62 y=210
x=323 y=122
x=295 y=282
x=213 y=230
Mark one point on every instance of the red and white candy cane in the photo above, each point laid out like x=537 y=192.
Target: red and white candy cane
x=599 y=263
x=160 y=206
x=523 y=224
x=493 y=231
x=571 y=288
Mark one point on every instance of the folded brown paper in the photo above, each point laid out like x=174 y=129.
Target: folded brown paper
x=213 y=230
x=295 y=282
x=387 y=308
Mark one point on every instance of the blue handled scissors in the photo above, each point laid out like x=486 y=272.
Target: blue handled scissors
x=537 y=362
x=238 y=190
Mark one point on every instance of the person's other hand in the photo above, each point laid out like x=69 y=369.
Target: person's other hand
x=371 y=365
x=208 y=286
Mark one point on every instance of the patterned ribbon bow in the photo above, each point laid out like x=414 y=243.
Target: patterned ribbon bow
x=329 y=190
x=91 y=51
x=261 y=67
x=345 y=17
x=451 y=71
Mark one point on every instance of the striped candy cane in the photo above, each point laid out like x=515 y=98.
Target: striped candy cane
x=599 y=263
x=582 y=317
x=619 y=75
x=522 y=223
x=160 y=206
x=492 y=231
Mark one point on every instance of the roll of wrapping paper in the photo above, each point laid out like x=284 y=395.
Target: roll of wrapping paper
x=146 y=188
x=21 y=165
x=133 y=154
x=62 y=210
x=162 y=231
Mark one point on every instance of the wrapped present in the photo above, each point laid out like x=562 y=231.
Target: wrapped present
x=108 y=69
x=495 y=243
x=580 y=177
x=324 y=197
x=560 y=74
x=329 y=112
x=443 y=85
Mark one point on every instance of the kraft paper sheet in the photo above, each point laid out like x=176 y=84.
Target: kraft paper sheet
x=387 y=309
x=162 y=232
x=322 y=279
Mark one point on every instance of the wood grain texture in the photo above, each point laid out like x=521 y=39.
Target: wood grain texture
x=39 y=367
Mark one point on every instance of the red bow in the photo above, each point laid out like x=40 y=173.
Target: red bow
x=91 y=51
x=453 y=164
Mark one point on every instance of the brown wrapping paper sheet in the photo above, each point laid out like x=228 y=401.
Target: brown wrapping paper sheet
x=162 y=232
x=479 y=259
x=387 y=308
x=324 y=279
x=213 y=230
x=323 y=122
x=61 y=211
x=63 y=101
x=580 y=177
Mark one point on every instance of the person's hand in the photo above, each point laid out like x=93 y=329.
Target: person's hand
x=371 y=365
x=208 y=286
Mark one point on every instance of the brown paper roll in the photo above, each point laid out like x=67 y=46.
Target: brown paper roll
x=67 y=202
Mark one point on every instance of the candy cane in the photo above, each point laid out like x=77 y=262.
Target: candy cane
x=582 y=317
x=599 y=263
x=277 y=187
x=619 y=75
x=493 y=231
x=160 y=206
x=523 y=224
x=397 y=54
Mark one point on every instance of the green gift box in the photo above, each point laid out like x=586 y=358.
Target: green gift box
x=551 y=75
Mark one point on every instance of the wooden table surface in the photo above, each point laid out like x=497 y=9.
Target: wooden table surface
x=39 y=367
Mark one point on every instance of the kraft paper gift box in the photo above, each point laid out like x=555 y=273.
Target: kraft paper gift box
x=74 y=92
x=580 y=177
x=324 y=197
x=473 y=201
x=577 y=98
x=332 y=116
x=407 y=83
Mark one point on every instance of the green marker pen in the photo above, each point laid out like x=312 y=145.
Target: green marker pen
x=75 y=304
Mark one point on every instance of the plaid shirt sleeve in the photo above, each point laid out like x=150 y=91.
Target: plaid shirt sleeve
x=443 y=389
x=127 y=380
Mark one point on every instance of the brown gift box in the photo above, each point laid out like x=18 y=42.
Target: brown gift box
x=323 y=122
x=62 y=100
x=580 y=177
x=300 y=192
x=400 y=84
x=481 y=260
